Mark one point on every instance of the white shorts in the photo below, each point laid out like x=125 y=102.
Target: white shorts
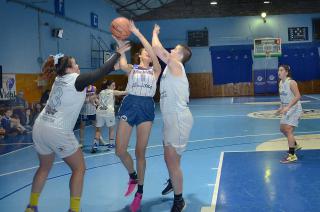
x=291 y=118
x=109 y=121
x=176 y=129
x=48 y=140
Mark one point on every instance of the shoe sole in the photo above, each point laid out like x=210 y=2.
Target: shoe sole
x=129 y=193
x=184 y=207
x=165 y=193
x=285 y=162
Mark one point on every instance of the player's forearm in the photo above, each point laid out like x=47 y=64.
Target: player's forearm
x=123 y=61
x=148 y=47
x=120 y=93
x=156 y=44
x=85 y=79
x=294 y=101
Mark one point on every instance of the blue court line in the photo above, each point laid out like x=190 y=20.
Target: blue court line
x=190 y=150
x=155 y=146
x=152 y=156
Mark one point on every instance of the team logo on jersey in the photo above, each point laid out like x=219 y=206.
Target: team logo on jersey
x=61 y=148
x=271 y=114
x=50 y=110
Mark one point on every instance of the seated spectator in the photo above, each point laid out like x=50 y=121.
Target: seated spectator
x=2 y=131
x=29 y=119
x=19 y=101
x=19 y=106
x=11 y=125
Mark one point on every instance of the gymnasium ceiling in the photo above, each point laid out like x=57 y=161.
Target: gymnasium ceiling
x=174 y=9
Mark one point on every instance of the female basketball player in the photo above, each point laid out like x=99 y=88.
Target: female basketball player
x=105 y=112
x=290 y=109
x=53 y=129
x=87 y=112
x=137 y=109
x=177 y=118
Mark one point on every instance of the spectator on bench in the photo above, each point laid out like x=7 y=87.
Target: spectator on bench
x=11 y=125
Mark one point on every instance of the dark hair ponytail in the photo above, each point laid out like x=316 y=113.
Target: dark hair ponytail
x=288 y=70
x=106 y=84
x=49 y=69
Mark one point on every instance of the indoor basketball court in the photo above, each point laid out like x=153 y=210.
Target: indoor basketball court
x=244 y=152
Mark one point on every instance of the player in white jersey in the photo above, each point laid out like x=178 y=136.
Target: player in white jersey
x=53 y=129
x=137 y=109
x=290 y=110
x=105 y=112
x=87 y=112
x=177 y=118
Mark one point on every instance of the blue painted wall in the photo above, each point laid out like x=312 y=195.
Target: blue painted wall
x=23 y=40
x=226 y=31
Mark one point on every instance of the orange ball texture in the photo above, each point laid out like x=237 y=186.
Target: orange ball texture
x=120 y=28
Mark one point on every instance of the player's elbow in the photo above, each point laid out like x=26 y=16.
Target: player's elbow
x=122 y=66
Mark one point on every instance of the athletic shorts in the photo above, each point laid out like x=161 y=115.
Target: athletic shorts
x=48 y=140
x=108 y=121
x=176 y=129
x=136 y=109
x=292 y=117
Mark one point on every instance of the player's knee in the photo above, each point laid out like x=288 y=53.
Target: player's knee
x=283 y=129
x=80 y=170
x=120 y=152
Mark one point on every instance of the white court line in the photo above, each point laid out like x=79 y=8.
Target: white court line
x=156 y=146
x=15 y=151
x=14 y=144
x=252 y=135
x=216 y=187
x=211 y=105
x=312 y=97
x=221 y=116
x=215 y=116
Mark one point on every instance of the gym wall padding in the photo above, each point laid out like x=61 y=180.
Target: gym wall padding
x=231 y=64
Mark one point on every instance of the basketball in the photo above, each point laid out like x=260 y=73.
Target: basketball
x=120 y=28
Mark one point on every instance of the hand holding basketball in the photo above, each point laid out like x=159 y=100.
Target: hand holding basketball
x=120 y=28
x=133 y=28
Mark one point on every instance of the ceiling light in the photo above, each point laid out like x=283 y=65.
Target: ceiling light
x=266 y=2
x=213 y=3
